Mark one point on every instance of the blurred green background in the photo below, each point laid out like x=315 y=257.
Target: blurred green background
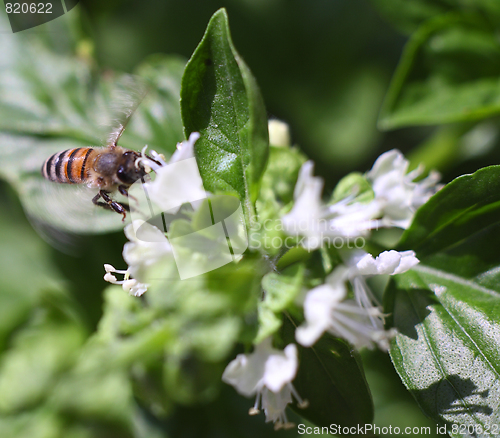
x=324 y=67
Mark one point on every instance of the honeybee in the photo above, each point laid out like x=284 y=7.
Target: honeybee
x=108 y=168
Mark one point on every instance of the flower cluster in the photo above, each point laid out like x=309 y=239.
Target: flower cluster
x=329 y=307
x=317 y=222
x=397 y=194
x=148 y=245
x=343 y=305
x=130 y=285
x=396 y=197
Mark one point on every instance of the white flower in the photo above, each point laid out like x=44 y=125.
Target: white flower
x=130 y=285
x=184 y=150
x=361 y=265
x=388 y=262
x=396 y=198
x=173 y=183
x=395 y=190
x=177 y=182
x=318 y=222
x=147 y=246
x=268 y=373
x=326 y=309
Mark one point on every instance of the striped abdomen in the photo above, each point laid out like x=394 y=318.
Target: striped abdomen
x=70 y=166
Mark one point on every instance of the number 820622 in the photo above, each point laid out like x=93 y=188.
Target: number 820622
x=25 y=8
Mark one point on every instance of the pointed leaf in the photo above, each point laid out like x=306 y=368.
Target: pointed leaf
x=447 y=308
x=280 y=292
x=407 y=16
x=220 y=99
x=447 y=73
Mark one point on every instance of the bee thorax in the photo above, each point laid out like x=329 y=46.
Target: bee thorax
x=106 y=164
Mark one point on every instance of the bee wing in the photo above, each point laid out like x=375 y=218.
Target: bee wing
x=126 y=95
x=58 y=210
x=62 y=212
x=68 y=207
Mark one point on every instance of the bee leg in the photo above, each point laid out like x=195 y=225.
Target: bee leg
x=110 y=204
x=95 y=200
x=124 y=191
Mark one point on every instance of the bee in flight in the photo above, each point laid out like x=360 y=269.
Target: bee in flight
x=108 y=168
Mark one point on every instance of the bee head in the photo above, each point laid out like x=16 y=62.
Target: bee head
x=127 y=171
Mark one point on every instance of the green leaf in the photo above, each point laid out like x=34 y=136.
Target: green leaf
x=281 y=174
x=29 y=369
x=447 y=73
x=394 y=405
x=282 y=289
x=331 y=379
x=447 y=308
x=21 y=293
x=39 y=423
x=280 y=293
x=293 y=255
x=95 y=395
x=407 y=16
x=220 y=100
x=275 y=197
x=354 y=184
x=459 y=214
x=269 y=323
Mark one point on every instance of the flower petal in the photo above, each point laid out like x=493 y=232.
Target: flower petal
x=396 y=191
x=245 y=378
x=317 y=311
x=281 y=368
